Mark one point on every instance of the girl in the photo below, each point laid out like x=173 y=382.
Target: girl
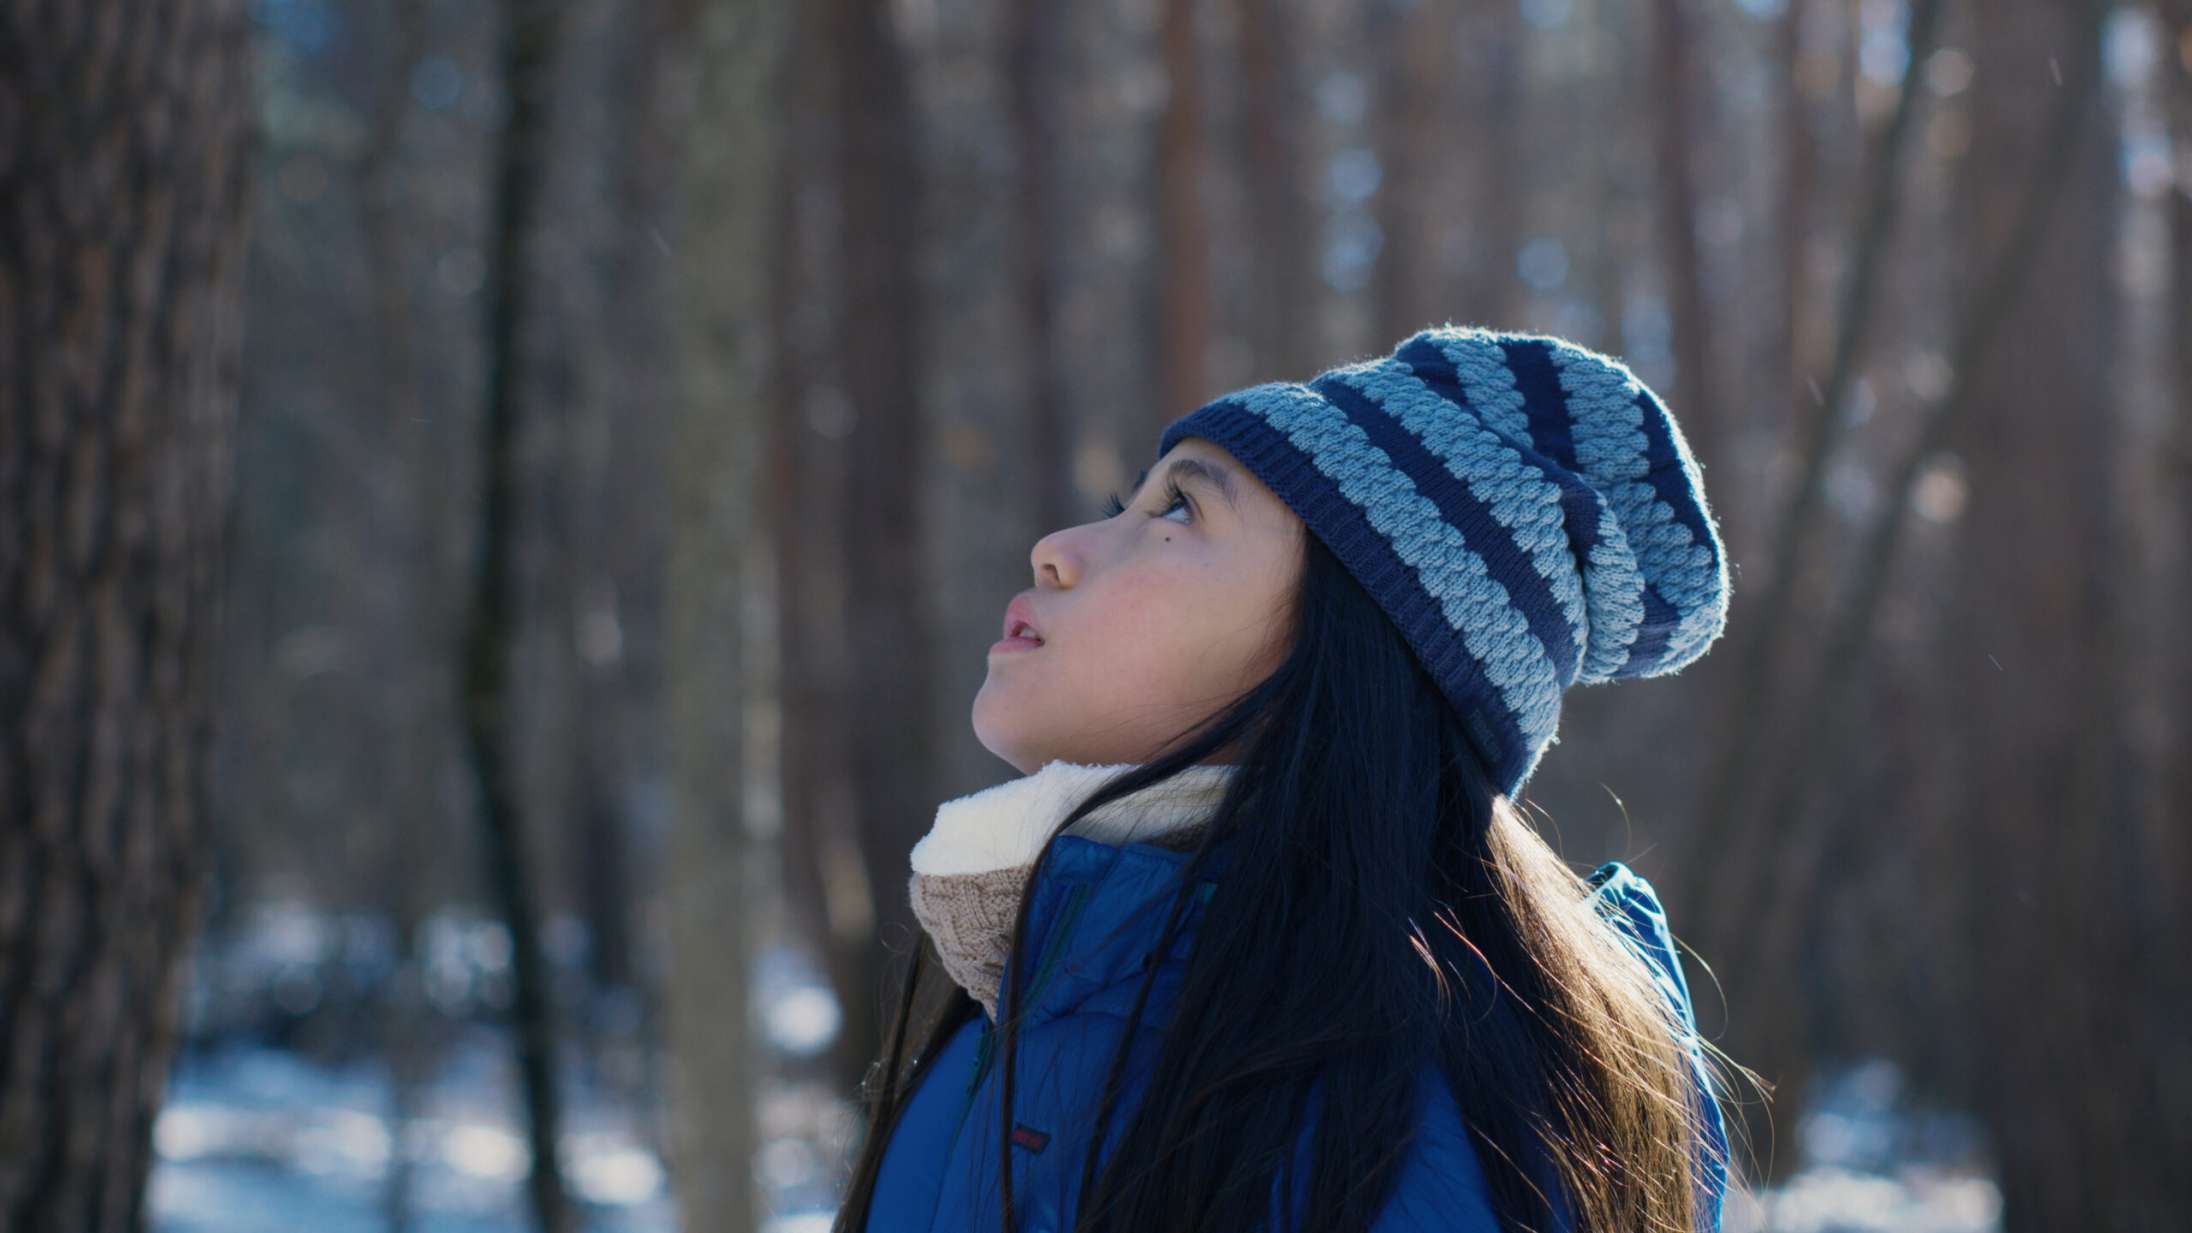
x=1260 y=940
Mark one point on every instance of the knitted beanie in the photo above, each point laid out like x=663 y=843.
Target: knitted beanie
x=1524 y=509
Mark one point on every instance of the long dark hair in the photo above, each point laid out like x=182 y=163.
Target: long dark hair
x=1384 y=906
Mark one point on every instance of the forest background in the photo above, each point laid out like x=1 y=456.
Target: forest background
x=502 y=509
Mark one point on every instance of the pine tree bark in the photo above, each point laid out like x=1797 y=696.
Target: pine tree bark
x=123 y=215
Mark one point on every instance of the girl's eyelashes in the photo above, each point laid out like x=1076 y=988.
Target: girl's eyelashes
x=1174 y=499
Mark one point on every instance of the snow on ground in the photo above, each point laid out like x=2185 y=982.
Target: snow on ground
x=257 y=1138
x=1872 y=1164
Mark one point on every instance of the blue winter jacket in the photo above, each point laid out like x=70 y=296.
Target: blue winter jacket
x=1096 y=911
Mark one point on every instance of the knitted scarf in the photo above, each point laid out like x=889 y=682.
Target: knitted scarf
x=971 y=869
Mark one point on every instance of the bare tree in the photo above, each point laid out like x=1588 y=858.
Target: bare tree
x=2177 y=76
x=888 y=746
x=1673 y=35
x=802 y=519
x=1497 y=126
x=1611 y=153
x=1182 y=285
x=1791 y=345
x=414 y=695
x=1280 y=303
x=123 y=216
x=733 y=91
x=529 y=46
x=1822 y=732
x=1405 y=288
x=2030 y=654
x=2173 y=1088
x=1765 y=629
x=1031 y=55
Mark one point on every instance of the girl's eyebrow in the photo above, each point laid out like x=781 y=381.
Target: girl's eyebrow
x=1195 y=469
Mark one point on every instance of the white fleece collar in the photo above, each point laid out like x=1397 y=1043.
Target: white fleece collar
x=1004 y=826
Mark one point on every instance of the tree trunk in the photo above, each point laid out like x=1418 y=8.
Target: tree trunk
x=889 y=747
x=2174 y=792
x=1502 y=164
x=1795 y=347
x=413 y=693
x=1031 y=47
x=1720 y=841
x=1612 y=169
x=1683 y=265
x=490 y=635
x=1406 y=291
x=123 y=215
x=2061 y=894
x=1183 y=247
x=1280 y=301
x=712 y=882
x=801 y=517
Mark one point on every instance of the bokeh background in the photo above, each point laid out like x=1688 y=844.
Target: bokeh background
x=503 y=506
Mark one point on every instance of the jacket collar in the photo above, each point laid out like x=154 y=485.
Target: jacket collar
x=1097 y=912
x=970 y=871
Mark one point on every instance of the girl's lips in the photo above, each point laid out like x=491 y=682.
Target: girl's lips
x=1020 y=619
x=1015 y=644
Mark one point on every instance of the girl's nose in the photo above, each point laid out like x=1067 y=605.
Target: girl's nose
x=1053 y=560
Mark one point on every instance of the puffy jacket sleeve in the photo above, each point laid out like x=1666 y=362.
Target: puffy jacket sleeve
x=1643 y=922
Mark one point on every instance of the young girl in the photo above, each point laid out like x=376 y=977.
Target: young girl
x=1259 y=940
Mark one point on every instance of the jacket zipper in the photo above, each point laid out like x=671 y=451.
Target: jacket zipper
x=1075 y=898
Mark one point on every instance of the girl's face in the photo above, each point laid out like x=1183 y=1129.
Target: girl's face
x=1150 y=620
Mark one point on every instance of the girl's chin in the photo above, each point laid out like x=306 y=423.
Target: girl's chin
x=999 y=727
x=1021 y=759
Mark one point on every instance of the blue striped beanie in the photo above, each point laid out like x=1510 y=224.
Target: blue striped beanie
x=1524 y=509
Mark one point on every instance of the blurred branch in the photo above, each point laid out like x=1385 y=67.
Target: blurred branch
x=1821 y=730
x=1672 y=39
x=1748 y=696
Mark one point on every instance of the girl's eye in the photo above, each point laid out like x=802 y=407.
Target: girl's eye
x=1174 y=499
